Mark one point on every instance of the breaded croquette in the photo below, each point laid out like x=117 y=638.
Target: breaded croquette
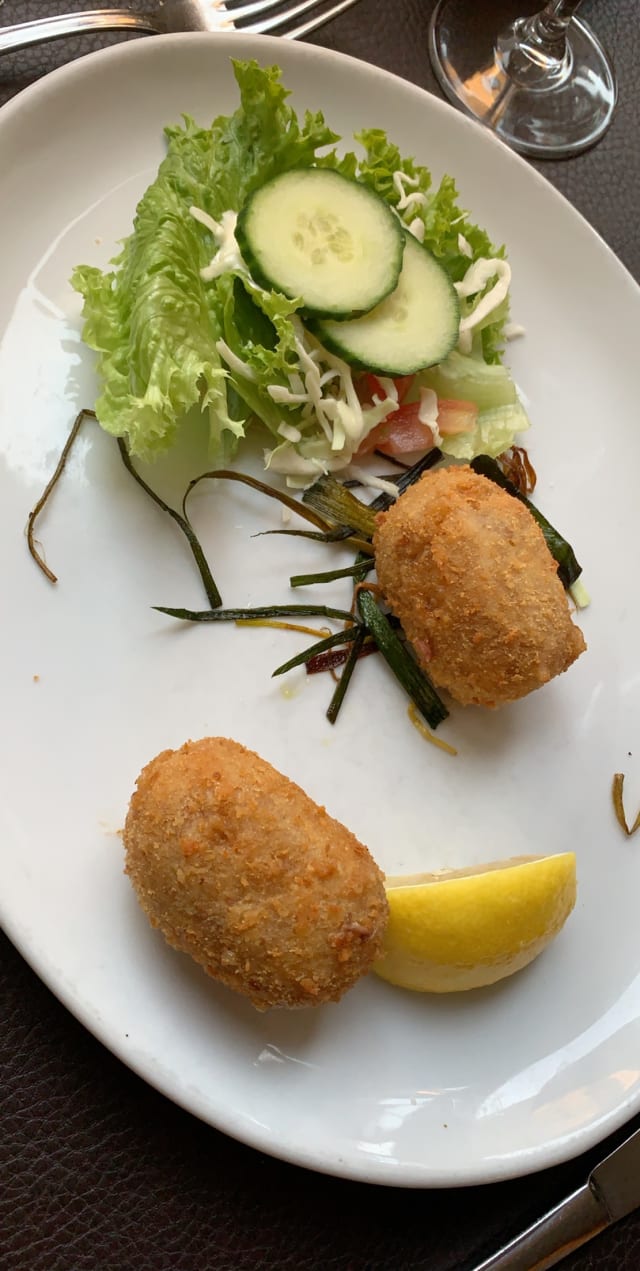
x=465 y=568
x=237 y=866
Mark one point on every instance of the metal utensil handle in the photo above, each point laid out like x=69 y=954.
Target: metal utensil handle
x=572 y=1222
x=43 y=29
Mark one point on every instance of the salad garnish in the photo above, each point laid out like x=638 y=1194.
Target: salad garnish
x=183 y=329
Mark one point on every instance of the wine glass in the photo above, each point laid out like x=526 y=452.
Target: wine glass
x=543 y=83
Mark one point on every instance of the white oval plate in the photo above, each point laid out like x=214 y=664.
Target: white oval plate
x=386 y=1086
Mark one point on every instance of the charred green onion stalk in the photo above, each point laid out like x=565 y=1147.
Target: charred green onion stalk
x=338 y=516
x=48 y=491
x=617 y=791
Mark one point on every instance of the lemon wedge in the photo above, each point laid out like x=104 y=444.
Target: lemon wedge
x=466 y=928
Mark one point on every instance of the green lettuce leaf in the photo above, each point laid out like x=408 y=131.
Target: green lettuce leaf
x=258 y=330
x=152 y=320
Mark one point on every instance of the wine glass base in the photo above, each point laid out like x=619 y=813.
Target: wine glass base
x=493 y=85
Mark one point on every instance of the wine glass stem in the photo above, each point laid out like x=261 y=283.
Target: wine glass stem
x=535 y=51
x=544 y=82
x=550 y=25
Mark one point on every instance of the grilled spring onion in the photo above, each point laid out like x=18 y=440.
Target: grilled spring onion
x=213 y=595
x=404 y=666
x=335 y=503
x=340 y=534
x=264 y=611
x=618 y=805
x=407 y=478
x=48 y=490
x=329 y=642
x=568 y=568
x=333 y=709
x=324 y=533
x=342 y=649
x=357 y=572
x=225 y=474
x=336 y=513
x=332 y=500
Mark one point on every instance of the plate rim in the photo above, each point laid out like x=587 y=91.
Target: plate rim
x=528 y=1160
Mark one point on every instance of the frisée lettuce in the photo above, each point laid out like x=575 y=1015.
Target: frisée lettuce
x=179 y=323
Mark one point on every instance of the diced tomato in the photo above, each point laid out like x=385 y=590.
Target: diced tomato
x=404 y=433
x=399 y=434
x=369 y=387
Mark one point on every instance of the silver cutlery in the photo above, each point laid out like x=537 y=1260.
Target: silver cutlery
x=611 y=1191
x=180 y=15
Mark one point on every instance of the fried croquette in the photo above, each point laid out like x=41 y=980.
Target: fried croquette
x=238 y=867
x=465 y=568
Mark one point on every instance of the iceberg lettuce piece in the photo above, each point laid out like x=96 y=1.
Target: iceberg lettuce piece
x=469 y=378
x=494 y=432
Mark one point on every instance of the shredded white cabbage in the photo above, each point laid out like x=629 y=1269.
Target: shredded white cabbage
x=235 y=362
x=290 y=433
x=203 y=218
x=287 y=460
x=372 y=482
x=390 y=390
x=227 y=258
x=323 y=385
x=428 y=412
x=416 y=227
x=401 y=180
x=408 y=201
x=513 y=330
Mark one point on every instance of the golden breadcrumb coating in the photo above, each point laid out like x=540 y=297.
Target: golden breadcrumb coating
x=237 y=866
x=465 y=568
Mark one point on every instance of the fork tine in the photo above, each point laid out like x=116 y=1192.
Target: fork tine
x=294 y=11
x=236 y=11
x=305 y=28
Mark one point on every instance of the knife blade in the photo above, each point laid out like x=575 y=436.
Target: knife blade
x=611 y=1192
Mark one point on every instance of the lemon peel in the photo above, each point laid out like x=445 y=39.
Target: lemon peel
x=465 y=929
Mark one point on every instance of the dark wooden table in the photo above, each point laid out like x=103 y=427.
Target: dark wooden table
x=100 y=1173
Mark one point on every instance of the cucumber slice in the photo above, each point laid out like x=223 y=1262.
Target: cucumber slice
x=415 y=327
x=314 y=234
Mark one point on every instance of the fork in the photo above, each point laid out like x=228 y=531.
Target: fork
x=178 y=15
